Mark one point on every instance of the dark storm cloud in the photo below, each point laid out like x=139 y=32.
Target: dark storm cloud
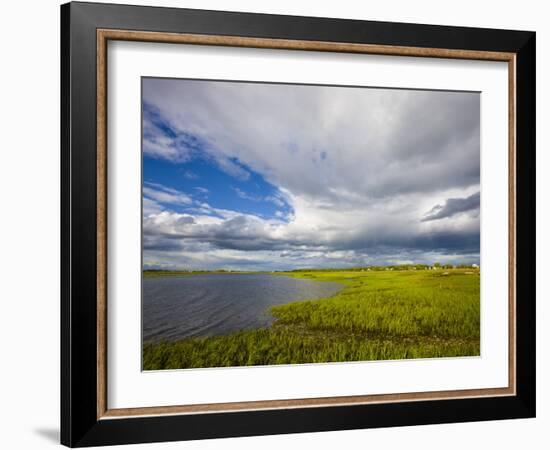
x=248 y=234
x=452 y=207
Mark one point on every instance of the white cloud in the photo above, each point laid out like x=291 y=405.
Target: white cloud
x=359 y=167
x=246 y=196
x=190 y=175
x=162 y=194
x=151 y=207
x=201 y=190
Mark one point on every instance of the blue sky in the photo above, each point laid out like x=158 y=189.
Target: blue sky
x=204 y=181
x=273 y=177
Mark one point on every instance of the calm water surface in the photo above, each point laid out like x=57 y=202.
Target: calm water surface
x=214 y=304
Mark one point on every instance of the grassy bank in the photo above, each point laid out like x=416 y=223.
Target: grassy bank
x=378 y=315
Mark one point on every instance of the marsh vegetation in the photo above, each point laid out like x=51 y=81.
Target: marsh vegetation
x=378 y=315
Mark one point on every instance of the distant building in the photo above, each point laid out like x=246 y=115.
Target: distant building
x=475 y=266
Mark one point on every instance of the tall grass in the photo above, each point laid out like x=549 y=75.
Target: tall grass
x=378 y=315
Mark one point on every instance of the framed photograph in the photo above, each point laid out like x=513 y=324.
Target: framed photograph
x=277 y=224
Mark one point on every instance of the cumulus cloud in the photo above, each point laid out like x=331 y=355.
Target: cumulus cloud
x=358 y=168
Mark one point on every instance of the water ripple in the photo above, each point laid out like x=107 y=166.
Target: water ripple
x=175 y=307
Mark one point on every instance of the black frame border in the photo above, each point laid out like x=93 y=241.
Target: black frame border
x=79 y=424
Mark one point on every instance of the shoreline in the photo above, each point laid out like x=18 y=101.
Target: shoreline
x=377 y=315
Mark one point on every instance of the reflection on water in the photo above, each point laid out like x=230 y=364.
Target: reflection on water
x=176 y=307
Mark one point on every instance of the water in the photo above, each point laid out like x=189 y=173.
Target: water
x=175 y=307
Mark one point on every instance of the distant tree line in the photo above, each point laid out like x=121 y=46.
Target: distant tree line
x=392 y=267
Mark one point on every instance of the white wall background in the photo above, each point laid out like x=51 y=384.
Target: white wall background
x=29 y=224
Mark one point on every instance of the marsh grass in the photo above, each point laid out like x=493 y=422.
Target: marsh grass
x=377 y=316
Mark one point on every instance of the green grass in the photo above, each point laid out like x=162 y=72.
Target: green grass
x=379 y=315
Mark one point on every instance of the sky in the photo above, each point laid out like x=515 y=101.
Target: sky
x=259 y=176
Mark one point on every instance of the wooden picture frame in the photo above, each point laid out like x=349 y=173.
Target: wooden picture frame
x=86 y=418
